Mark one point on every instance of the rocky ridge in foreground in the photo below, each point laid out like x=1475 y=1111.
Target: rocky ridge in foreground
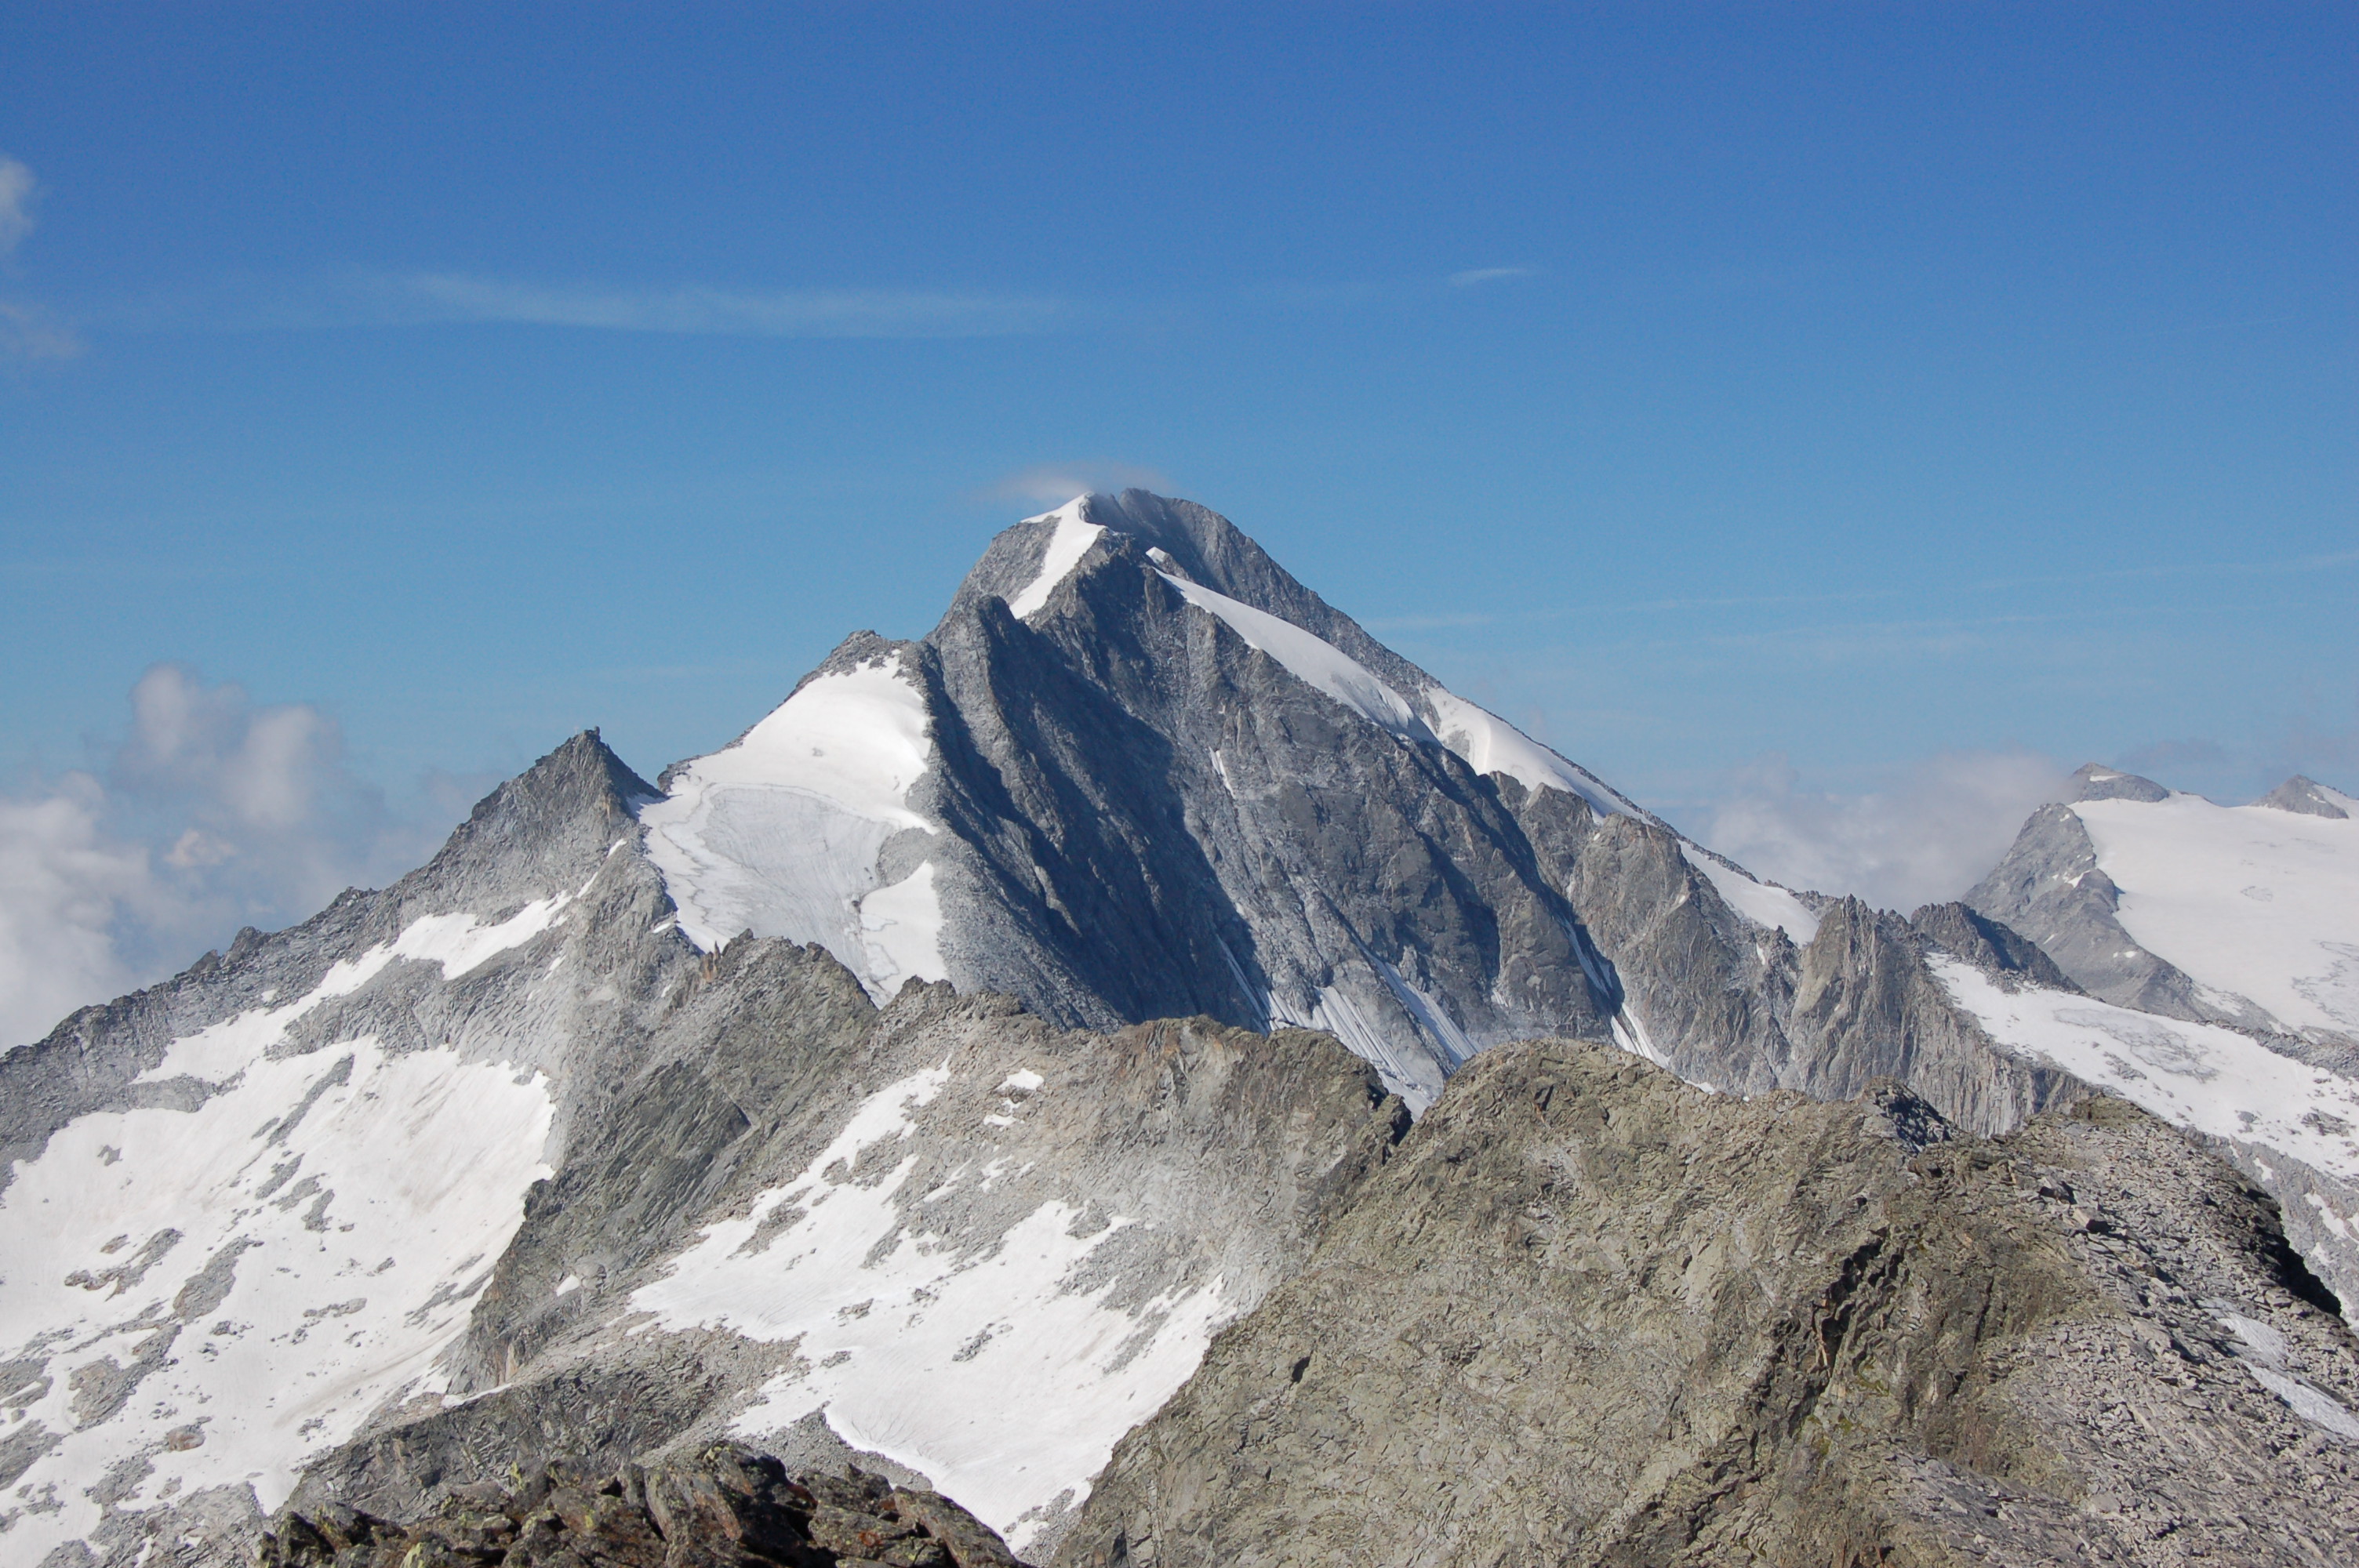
x=724 y=1506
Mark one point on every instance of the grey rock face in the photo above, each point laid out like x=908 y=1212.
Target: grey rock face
x=1739 y=1006
x=1143 y=813
x=2304 y=796
x=1999 y=951
x=2093 y=781
x=1592 y=1315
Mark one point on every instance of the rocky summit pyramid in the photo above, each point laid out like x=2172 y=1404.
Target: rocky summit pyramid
x=1019 y=1032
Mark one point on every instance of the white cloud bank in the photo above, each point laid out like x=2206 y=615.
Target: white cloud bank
x=211 y=813
x=1927 y=833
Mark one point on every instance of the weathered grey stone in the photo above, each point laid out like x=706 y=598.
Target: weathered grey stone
x=1592 y=1315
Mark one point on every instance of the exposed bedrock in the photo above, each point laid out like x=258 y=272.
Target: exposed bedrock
x=1590 y=1314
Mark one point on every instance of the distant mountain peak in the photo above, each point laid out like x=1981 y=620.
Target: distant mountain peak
x=2308 y=796
x=2093 y=781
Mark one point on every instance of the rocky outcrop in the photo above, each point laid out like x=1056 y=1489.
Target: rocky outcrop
x=725 y=1506
x=1592 y=1315
x=1998 y=950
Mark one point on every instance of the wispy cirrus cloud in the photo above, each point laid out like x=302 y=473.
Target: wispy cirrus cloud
x=17 y=187
x=1476 y=277
x=720 y=312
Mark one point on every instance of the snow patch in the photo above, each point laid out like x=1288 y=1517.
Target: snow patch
x=1067 y=545
x=901 y=930
x=976 y=1359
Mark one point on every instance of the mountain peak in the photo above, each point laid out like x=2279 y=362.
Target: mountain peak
x=2308 y=796
x=2093 y=781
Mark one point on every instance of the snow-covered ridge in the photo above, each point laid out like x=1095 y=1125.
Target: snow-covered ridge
x=1007 y=1417
x=781 y=832
x=1758 y=901
x=1074 y=536
x=1312 y=660
x=2250 y=900
x=1483 y=740
x=1489 y=745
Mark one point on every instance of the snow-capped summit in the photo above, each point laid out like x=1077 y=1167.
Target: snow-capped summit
x=1139 y=769
x=2247 y=915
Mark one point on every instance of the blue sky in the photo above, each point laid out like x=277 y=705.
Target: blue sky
x=1763 y=403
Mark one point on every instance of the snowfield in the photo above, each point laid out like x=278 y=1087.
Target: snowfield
x=210 y=1297
x=2196 y=1074
x=2249 y=901
x=779 y=833
x=1010 y=1417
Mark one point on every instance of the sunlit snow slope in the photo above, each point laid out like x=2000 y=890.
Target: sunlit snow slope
x=781 y=832
x=2250 y=900
x=209 y=1297
x=999 y=1363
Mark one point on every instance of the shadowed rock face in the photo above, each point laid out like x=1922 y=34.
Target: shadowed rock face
x=1150 y=816
x=1592 y=1315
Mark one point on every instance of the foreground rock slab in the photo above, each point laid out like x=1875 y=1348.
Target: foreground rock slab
x=724 y=1506
x=1588 y=1315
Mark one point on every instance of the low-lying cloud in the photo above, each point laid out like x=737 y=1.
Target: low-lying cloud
x=1928 y=832
x=208 y=812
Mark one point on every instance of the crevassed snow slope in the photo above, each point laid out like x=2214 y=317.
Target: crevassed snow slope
x=219 y=1294
x=779 y=833
x=2201 y=1076
x=1757 y=901
x=1005 y=1417
x=2247 y=900
x=1312 y=660
x=1067 y=545
x=1489 y=745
